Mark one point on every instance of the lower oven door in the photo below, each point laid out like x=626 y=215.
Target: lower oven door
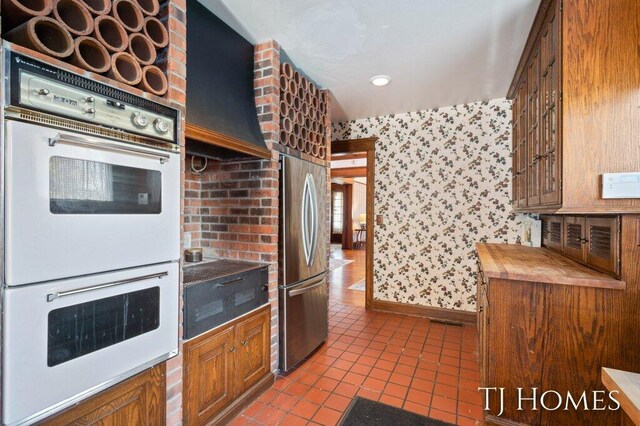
x=303 y=320
x=81 y=204
x=66 y=340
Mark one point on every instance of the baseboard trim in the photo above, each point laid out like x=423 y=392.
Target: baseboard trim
x=442 y=314
x=243 y=401
x=498 y=421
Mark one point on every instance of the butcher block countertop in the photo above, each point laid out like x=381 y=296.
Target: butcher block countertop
x=628 y=386
x=539 y=264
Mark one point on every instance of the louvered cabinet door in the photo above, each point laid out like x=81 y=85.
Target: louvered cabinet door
x=603 y=246
x=552 y=232
x=574 y=238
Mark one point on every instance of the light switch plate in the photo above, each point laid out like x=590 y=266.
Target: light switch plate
x=621 y=185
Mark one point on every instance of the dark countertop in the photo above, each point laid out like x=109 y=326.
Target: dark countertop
x=216 y=269
x=541 y=265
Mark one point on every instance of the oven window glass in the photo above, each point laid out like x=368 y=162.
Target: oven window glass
x=80 y=329
x=88 y=187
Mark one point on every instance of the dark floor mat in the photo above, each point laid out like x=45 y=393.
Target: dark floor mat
x=363 y=412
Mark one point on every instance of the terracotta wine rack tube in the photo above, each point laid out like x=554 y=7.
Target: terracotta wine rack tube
x=156 y=31
x=288 y=98
x=142 y=49
x=90 y=54
x=297 y=78
x=300 y=144
x=153 y=80
x=44 y=34
x=287 y=125
x=307 y=122
x=304 y=133
x=314 y=102
x=315 y=150
x=308 y=147
x=109 y=32
x=17 y=12
x=296 y=103
x=287 y=70
x=291 y=87
x=74 y=16
x=304 y=108
x=300 y=118
x=125 y=68
x=98 y=7
x=148 y=7
x=300 y=92
x=128 y=14
x=296 y=129
x=322 y=152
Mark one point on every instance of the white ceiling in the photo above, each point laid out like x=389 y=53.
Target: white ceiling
x=437 y=52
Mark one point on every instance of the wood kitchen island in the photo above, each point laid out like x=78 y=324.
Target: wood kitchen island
x=550 y=323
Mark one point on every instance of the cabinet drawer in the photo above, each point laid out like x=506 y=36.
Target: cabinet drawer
x=603 y=245
x=552 y=232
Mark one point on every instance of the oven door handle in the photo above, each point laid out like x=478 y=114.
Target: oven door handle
x=98 y=143
x=53 y=296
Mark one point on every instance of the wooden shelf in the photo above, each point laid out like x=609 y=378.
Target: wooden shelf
x=628 y=386
x=541 y=265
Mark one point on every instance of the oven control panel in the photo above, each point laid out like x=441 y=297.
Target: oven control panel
x=57 y=98
x=41 y=87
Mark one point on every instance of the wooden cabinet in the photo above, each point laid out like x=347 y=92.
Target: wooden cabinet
x=548 y=323
x=139 y=400
x=226 y=367
x=576 y=107
x=591 y=240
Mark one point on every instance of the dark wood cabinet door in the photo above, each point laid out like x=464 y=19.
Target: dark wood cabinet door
x=209 y=372
x=603 y=244
x=533 y=131
x=550 y=136
x=139 y=400
x=574 y=238
x=515 y=114
x=253 y=357
x=521 y=172
x=552 y=232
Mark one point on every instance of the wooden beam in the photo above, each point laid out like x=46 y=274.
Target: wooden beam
x=353 y=145
x=348 y=156
x=218 y=139
x=349 y=172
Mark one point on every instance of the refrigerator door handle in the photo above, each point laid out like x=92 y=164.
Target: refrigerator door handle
x=309 y=219
x=299 y=291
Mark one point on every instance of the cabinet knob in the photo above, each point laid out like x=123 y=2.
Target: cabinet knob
x=245 y=343
x=233 y=349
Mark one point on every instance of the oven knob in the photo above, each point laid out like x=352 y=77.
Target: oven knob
x=43 y=92
x=90 y=110
x=161 y=126
x=139 y=120
x=89 y=99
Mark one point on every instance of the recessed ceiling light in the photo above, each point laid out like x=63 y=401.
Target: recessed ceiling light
x=380 y=80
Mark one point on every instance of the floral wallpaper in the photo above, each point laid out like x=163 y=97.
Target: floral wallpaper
x=442 y=184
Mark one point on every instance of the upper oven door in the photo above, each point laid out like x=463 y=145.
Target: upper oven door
x=78 y=205
x=67 y=339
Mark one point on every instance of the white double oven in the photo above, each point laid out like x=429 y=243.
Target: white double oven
x=91 y=242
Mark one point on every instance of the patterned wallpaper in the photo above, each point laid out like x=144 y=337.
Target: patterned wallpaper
x=442 y=184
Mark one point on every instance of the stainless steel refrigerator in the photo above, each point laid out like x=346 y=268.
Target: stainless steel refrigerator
x=303 y=291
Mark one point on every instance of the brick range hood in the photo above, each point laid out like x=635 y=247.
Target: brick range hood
x=222 y=120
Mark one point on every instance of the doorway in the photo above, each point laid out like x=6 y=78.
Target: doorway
x=352 y=196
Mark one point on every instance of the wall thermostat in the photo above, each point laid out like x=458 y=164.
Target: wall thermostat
x=621 y=185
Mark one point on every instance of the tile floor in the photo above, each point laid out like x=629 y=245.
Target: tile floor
x=408 y=362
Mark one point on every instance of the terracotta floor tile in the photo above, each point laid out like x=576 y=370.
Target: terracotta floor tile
x=385 y=365
x=374 y=353
x=317 y=368
x=391 y=400
x=240 y=421
x=334 y=373
x=268 y=396
x=380 y=374
x=354 y=379
x=291 y=420
x=337 y=402
x=348 y=356
x=346 y=389
x=367 y=360
x=411 y=361
x=404 y=369
x=373 y=384
x=470 y=397
x=444 y=404
x=369 y=394
x=269 y=416
x=305 y=409
x=425 y=374
x=342 y=364
x=419 y=397
x=465 y=421
x=254 y=408
x=449 y=369
x=444 y=390
x=297 y=389
x=360 y=369
x=423 y=385
x=400 y=379
x=326 y=384
x=470 y=410
x=284 y=402
x=317 y=396
x=442 y=415
x=394 y=390
x=327 y=417
x=416 y=408
x=281 y=383
x=307 y=378
x=447 y=379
